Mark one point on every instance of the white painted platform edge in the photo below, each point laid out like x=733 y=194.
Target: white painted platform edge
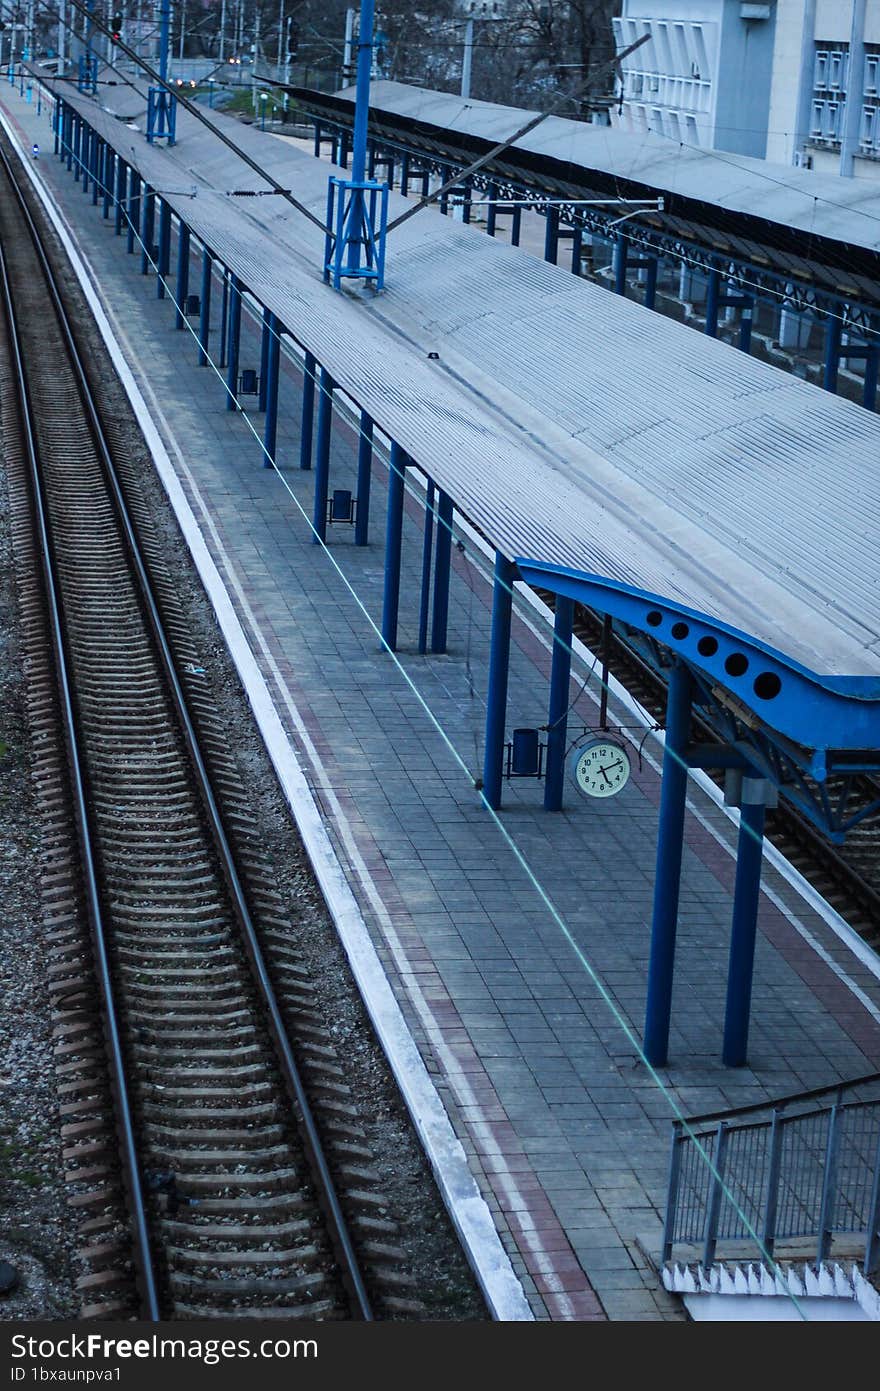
x=467 y=1208
x=800 y=1280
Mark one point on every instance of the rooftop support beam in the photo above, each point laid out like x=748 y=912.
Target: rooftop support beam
x=393 y=546
x=427 y=547
x=182 y=287
x=205 y=306
x=233 y=341
x=557 y=719
x=364 y=478
x=148 y=228
x=667 y=879
x=322 y=457
x=273 y=364
x=746 y=896
x=164 y=265
x=499 y=666
x=442 y=568
x=310 y=369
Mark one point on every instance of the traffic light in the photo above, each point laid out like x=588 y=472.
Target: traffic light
x=116 y=27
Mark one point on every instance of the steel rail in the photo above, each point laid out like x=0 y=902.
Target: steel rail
x=146 y=1274
x=328 y=1198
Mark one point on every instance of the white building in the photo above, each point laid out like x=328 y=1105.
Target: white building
x=704 y=75
x=825 y=93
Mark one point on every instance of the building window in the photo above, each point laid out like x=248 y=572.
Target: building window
x=829 y=94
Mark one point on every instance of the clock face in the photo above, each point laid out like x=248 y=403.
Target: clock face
x=602 y=768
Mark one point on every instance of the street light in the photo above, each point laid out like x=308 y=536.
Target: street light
x=211 y=92
x=264 y=97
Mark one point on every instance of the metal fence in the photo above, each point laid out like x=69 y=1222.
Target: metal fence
x=810 y=1169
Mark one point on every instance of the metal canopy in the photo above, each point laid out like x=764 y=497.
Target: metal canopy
x=811 y=225
x=572 y=427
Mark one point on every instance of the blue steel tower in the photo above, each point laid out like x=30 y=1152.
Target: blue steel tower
x=357 y=208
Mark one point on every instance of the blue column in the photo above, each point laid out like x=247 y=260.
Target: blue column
x=712 y=288
x=364 y=478
x=651 y=283
x=404 y=173
x=265 y=338
x=393 y=547
x=85 y=154
x=134 y=209
x=75 y=158
x=833 y=334
x=551 y=235
x=182 y=288
x=621 y=256
x=97 y=144
x=745 y=326
x=119 y=193
x=148 y=226
x=492 y=209
x=869 y=391
x=56 y=122
x=577 y=240
x=427 y=547
x=205 y=306
x=164 y=248
x=499 y=665
x=317 y=140
x=234 y=339
x=109 y=178
x=322 y=456
x=746 y=895
x=516 y=226
x=310 y=368
x=442 y=565
x=667 y=879
x=273 y=363
x=224 y=318
x=557 y=718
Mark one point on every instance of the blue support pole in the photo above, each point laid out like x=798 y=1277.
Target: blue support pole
x=364 y=478
x=393 y=547
x=621 y=256
x=651 y=283
x=492 y=209
x=404 y=173
x=577 y=241
x=205 y=307
x=55 y=127
x=119 y=194
x=712 y=294
x=134 y=210
x=310 y=368
x=833 y=336
x=551 y=235
x=148 y=227
x=182 y=288
x=273 y=364
x=86 y=157
x=557 y=718
x=164 y=264
x=499 y=666
x=224 y=317
x=109 y=178
x=427 y=547
x=317 y=140
x=746 y=896
x=234 y=341
x=869 y=390
x=322 y=456
x=265 y=339
x=673 y=793
x=516 y=226
x=78 y=143
x=96 y=167
x=442 y=567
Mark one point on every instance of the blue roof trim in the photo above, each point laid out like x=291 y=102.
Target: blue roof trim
x=819 y=712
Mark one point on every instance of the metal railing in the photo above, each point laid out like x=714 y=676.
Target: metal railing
x=808 y=1170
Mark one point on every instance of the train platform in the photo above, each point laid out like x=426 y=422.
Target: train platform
x=516 y=946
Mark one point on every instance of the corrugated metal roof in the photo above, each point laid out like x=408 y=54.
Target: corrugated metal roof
x=819 y=205
x=571 y=425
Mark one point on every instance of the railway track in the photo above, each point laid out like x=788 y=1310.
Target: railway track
x=847 y=877
x=212 y=1149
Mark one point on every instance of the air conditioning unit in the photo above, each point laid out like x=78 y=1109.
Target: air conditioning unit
x=803 y=160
